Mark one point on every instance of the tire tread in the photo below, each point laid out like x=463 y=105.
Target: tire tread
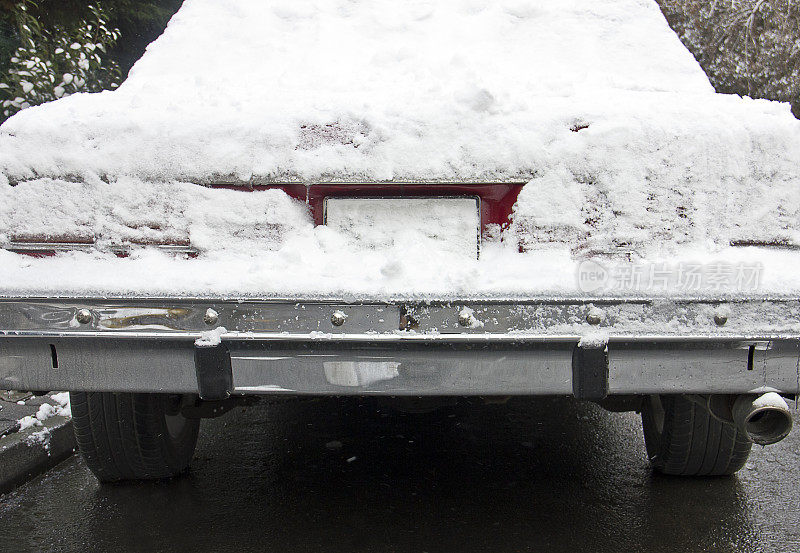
x=123 y=436
x=692 y=442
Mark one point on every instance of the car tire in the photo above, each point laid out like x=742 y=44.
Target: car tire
x=125 y=436
x=682 y=438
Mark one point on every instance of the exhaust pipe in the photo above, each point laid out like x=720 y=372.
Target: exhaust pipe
x=764 y=419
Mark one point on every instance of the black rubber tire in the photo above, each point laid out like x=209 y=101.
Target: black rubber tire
x=124 y=436
x=688 y=441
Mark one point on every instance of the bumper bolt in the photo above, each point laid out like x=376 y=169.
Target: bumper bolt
x=594 y=317
x=338 y=318
x=83 y=316
x=211 y=317
x=720 y=319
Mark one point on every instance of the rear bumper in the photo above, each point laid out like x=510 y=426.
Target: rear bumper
x=555 y=346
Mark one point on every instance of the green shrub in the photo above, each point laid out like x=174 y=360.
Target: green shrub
x=57 y=60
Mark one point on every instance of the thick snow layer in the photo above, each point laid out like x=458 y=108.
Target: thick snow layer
x=134 y=211
x=427 y=89
x=698 y=173
x=316 y=264
x=595 y=104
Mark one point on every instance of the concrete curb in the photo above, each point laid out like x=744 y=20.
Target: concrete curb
x=31 y=452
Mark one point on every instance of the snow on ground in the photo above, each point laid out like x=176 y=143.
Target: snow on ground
x=59 y=408
x=37 y=426
x=594 y=103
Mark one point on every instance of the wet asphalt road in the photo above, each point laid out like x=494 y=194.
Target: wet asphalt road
x=351 y=475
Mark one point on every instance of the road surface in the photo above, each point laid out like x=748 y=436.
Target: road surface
x=354 y=475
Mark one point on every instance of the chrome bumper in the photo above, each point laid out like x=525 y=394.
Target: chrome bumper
x=554 y=346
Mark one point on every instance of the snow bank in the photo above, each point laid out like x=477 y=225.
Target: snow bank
x=594 y=103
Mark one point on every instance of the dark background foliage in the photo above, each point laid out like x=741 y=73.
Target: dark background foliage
x=8 y=35
x=746 y=47
x=139 y=21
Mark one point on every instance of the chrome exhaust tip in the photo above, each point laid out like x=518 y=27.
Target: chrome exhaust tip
x=764 y=419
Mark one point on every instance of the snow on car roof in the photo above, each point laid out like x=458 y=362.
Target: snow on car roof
x=371 y=90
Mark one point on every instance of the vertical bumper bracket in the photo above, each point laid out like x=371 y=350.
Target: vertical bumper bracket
x=590 y=371
x=212 y=365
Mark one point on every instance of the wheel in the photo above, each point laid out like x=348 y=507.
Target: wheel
x=125 y=436
x=684 y=439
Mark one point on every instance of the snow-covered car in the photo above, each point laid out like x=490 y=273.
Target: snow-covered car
x=425 y=198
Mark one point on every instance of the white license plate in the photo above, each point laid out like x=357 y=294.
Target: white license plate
x=412 y=224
